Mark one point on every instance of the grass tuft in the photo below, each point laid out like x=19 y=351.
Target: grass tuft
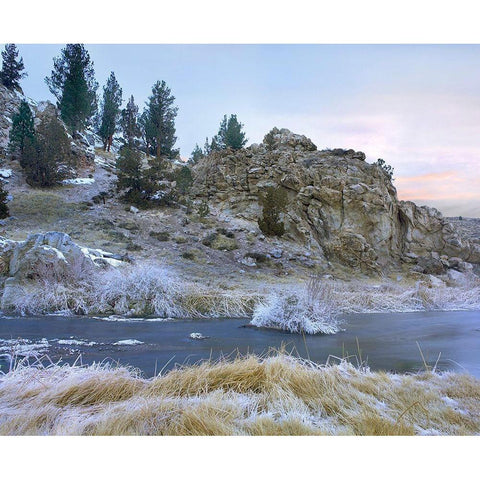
x=273 y=395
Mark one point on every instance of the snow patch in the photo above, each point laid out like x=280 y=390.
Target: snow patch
x=198 y=336
x=23 y=347
x=102 y=162
x=79 y=181
x=119 y=318
x=129 y=341
x=5 y=172
x=72 y=341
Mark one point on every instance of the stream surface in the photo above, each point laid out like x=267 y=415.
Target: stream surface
x=387 y=341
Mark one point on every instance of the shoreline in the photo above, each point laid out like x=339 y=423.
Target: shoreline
x=278 y=395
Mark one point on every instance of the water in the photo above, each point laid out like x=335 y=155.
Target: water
x=387 y=341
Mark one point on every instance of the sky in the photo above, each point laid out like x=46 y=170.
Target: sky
x=415 y=106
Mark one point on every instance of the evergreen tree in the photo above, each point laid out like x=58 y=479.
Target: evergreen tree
x=206 y=148
x=388 y=169
x=274 y=202
x=129 y=173
x=129 y=123
x=4 y=211
x=11 y=72
x=110 y=111
x=197 y=154
x=215 y=145
x=158 y=121
x=73 y=84
x=46 y=157
x=22 y=128
x=184 y=180
x=230 y=134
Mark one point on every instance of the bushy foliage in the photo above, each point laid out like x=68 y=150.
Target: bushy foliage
x=158 y=122
x=203 y=209
x=129 y=123
x=73 y=84
x=11 y=72
x=129 y=174
x=274 y=202
x=22 y=129
x=230 y=135
x=110 y=111
x=47 y=156
x=184 y=180
x=309 y=310
x=197 y=154
x=388 y=169
x=4 y=211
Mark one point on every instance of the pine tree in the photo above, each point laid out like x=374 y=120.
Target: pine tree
x=10 y=74
x=4 y=211
x=230 y=134
x=129 y=123
x=47 y=157
x=73 y=84
x=388 y=169
x=215 y=145
x=129 y=173
x=22 y=128
x=206 y=148
x=197 y=154
x=158 y=121
x=184 y=180
x=110 y=111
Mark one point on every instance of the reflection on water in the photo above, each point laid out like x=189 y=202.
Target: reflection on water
x=386 y=341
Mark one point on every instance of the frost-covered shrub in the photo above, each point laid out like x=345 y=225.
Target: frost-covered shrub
x=310 y=310
x=140 y=291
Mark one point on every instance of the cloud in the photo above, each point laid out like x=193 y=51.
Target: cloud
x=431 y=140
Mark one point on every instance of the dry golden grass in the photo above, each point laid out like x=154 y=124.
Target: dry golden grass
x=275 y=395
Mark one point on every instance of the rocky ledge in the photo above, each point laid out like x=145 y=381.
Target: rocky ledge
x=340 y=206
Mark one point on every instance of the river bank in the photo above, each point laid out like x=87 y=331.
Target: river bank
x=277 y=395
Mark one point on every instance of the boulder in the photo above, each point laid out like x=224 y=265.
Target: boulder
x=430 y=265
x=51 y=256
x=276 y=252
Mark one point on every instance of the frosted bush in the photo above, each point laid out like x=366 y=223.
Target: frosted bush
x=139 y=290
x=309 y=310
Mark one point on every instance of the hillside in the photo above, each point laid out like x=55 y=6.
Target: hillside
x=343 y=219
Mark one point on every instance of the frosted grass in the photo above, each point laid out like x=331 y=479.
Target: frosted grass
x=274 y=395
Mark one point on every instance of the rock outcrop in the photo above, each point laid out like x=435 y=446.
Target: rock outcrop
x=47 y=256
x=338 y=204
x=9 y=103
x=82 y=147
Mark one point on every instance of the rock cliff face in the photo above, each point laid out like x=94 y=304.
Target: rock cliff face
x=82 y=147
x=338 y=204
x=9 y=103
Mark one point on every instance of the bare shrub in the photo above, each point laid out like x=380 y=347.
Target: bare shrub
x=309 y=310
x=139 y=290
